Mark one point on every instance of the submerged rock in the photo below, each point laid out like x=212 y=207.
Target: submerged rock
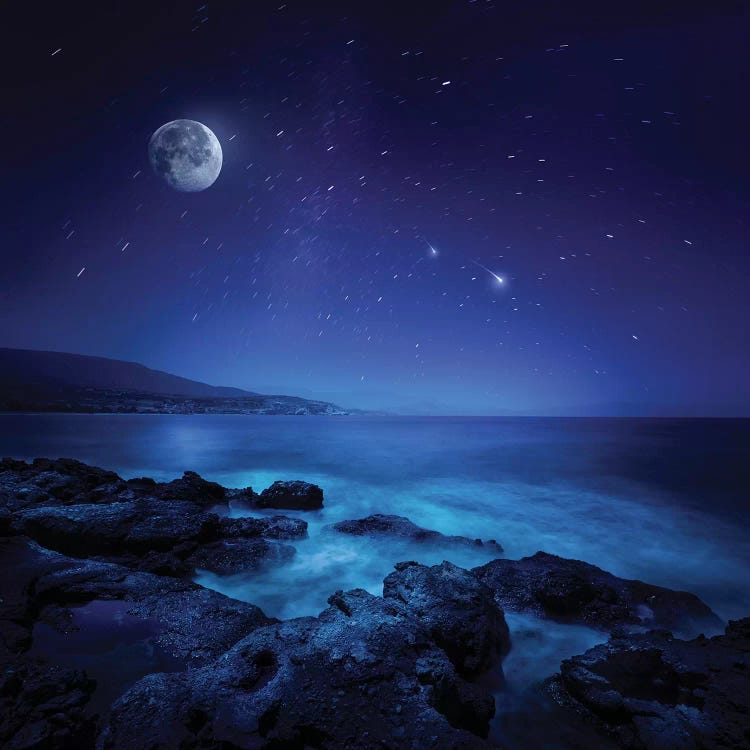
x=575 y=591
x=652 y=691
x=401 y=527
x=365 y=673
x=229 y=556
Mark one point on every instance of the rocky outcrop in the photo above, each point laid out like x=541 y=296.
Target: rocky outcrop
x=575 y=591
x=191 y=623
x=367 y=672
x=652 y=691
x=164 y=528
x=400 y=527
x=293 y=495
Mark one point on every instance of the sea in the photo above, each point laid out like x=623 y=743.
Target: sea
x=663 y=500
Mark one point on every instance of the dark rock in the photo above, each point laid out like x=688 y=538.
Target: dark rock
x=365 y=673
x=136 y=527
x=147 y=526
x=60 y=481
x=655 y=692
x=402 y=528
x=191 y=623
x=294 y=495
x=44 y=706
x=192 y=488
x=458 y=610
x=574 y=591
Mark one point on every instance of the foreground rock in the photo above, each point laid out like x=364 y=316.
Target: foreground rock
x=367 y=672
x=652 y=691
x=51 y=599
x=44 y=706
x=575 y=591
x=457 y=609
x=191 y=623
x=164 y=528
x=399 y=527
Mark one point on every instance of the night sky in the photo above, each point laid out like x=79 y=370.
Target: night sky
x=383 y=162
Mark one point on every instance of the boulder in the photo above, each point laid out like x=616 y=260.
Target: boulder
x=458 y=610
x=292 y=495
x=575 y=591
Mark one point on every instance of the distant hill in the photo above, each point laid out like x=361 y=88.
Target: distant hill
x=33 y=380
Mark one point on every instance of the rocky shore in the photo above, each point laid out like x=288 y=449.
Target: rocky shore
x=106 y=642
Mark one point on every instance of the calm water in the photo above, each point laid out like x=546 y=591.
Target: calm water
x=667 y=501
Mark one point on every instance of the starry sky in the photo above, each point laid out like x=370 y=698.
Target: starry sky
x=383 y=164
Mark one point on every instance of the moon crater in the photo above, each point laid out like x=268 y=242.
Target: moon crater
x=186 y=155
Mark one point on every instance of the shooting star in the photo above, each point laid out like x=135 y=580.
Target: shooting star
x=495 y=276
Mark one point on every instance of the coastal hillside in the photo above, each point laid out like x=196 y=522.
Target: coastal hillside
x=60 y=382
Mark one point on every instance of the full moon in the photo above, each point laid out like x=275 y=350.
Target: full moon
x=186 y=154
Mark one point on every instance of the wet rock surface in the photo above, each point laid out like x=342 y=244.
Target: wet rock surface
x=400 y=527
x=575 y=591
x=652 y=691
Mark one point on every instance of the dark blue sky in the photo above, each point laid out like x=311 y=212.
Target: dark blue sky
x=596 y=159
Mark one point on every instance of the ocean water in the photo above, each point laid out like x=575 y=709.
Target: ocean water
x=666 y=501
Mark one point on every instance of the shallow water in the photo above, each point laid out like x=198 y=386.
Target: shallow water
x=667 y=501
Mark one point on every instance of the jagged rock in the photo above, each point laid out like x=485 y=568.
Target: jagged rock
x=365 y=673
x=293 y=495
x=655 y=692
x=162 y=528
x=400 y=527
x=136 y=527
x=192 y=488
x=459 y=611
x=575 y=591
x=61 y=481
x=44 y=706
